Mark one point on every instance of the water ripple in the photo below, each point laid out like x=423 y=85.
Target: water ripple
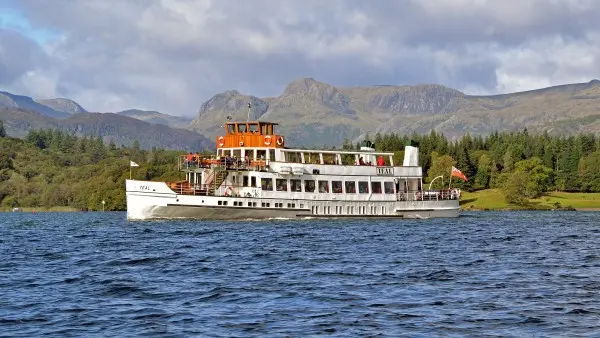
x=492 y=274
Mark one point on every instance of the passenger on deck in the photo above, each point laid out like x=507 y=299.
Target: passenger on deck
x=380 y=161
x=189 y=160
x=361 y=161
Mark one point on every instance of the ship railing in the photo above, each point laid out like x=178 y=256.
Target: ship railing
x=196 y=162
x=190 y=189
x=238 y=191
x=221 y=162
x=428 y=195
x=209 y=189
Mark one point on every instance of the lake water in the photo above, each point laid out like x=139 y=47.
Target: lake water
x=483 y=274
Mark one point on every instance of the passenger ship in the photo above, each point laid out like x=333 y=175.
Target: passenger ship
x=255 y=176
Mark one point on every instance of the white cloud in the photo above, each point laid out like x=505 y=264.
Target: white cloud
x=171 y=55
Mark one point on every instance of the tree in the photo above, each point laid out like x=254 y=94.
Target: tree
x=589 y=172
x=514 y=187
x=440 y=166
x=2 y=130
x=484 y=172
x=538 y=176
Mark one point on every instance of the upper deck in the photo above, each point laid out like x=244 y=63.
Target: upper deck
x=251 y=134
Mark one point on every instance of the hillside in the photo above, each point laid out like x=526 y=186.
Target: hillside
x=8 y=100
x=155 y=117
x=63 y=105
x=315 y=113
x=121 y=129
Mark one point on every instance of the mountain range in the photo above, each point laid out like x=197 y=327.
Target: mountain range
x=313 y=113
x=316 y=113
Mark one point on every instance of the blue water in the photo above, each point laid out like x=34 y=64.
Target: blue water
x=483 y=274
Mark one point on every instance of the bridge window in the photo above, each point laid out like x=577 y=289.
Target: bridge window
x=293 y=157
x=323 y=186
x=281 y=184
x=241 y=128
x=329 y=159
x=309 y=186
x=253 y=128
x=311 y=158
x=363 y=187
x=350 y=187
x=376 y=187
x=231 y=128
x=336 y=187
x=266 y=184
x=295 y=185
x=388 y=187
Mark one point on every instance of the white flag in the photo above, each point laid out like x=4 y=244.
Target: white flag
x=133 y=164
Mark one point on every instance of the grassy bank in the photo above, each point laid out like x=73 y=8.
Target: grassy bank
x=492 y=199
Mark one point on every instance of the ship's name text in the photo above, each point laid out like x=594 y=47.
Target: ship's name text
x=382 y=171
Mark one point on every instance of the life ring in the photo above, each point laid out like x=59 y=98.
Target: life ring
x=267 y=140
x=221 y=141
x=280 y=140
x=228 y=191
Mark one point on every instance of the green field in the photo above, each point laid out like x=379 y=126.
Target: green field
x=492 y=199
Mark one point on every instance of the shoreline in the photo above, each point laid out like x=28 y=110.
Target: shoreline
x=462 y=209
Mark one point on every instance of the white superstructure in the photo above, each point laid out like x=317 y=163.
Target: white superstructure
x=253 y=175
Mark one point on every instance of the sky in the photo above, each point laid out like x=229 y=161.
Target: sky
x=172 y=55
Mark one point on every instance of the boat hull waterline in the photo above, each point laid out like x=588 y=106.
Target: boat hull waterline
x=143 y=205
x=254 y=175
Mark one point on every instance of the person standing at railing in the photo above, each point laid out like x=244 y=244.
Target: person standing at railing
x=197 y=159
x=189 y=159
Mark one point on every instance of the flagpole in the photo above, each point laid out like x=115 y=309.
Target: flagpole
x=129 y=171
x=449 y=184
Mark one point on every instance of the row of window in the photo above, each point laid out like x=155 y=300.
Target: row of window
x=316 y=210
x=337 y=187
x=339 y=210
x=263 y=204
x=238 y=203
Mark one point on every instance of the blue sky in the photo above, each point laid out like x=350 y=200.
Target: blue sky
x=13 y=19
x=172 y=55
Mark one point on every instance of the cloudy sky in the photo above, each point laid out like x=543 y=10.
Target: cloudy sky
x=171 y=55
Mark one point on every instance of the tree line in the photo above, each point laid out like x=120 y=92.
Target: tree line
x=52 y=168
x=524 y=165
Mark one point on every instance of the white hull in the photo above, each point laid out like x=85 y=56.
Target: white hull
x=147 y=200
